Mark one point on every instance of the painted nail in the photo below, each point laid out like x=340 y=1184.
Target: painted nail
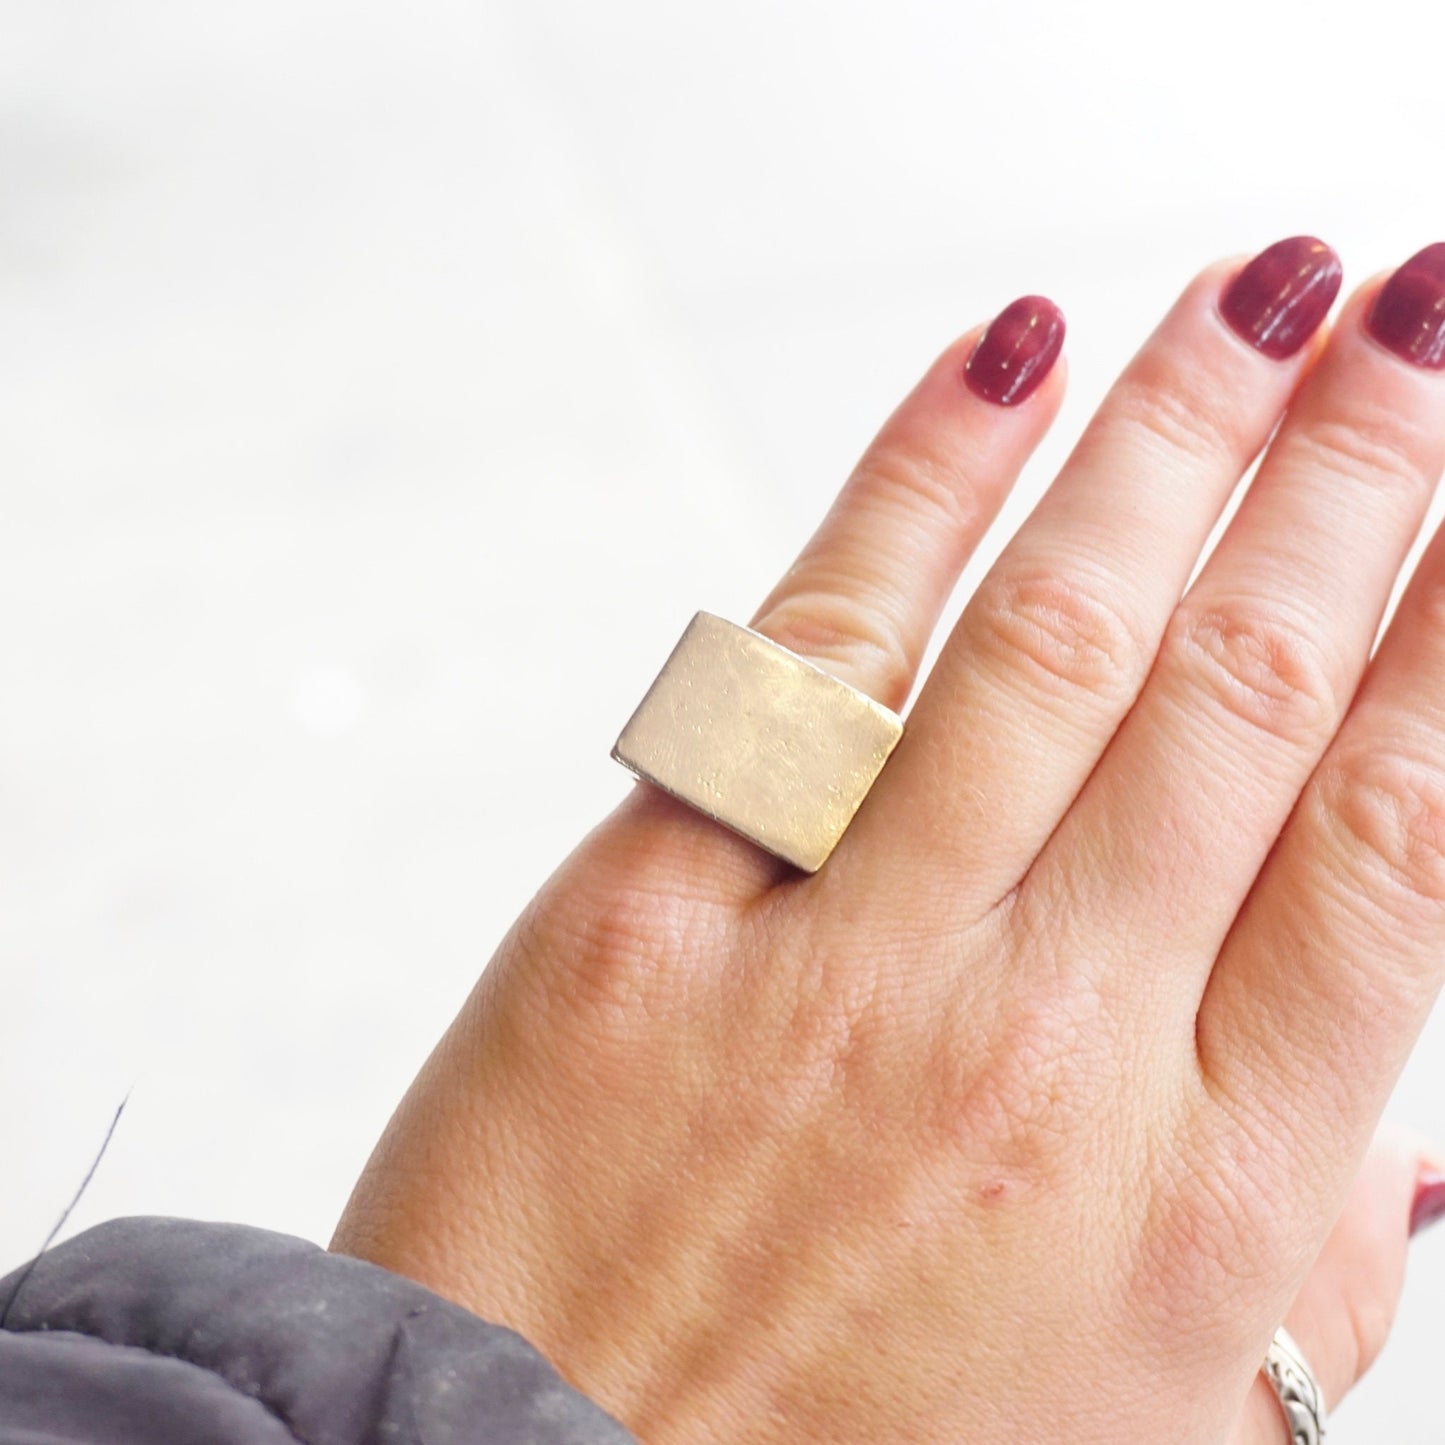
x=1429 y=1202
x=1278 y=301
x=1409 y=313
x=1014 y=355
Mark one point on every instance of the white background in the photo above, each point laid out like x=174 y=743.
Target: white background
x=383 y=386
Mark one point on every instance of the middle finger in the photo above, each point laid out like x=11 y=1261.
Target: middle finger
x=1053 y=647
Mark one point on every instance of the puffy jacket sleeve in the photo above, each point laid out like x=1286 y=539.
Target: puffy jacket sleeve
x=155 y=1331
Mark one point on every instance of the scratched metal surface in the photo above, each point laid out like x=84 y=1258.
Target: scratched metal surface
x=769 y=745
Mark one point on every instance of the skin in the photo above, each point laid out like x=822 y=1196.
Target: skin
x=1036 y=1110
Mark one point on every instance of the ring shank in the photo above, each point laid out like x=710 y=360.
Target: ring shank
x=1296 y=1389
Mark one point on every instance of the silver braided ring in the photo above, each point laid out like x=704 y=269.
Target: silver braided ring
x=1296 y=1389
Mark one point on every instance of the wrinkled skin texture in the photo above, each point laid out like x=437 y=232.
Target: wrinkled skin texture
x=1036 y=1110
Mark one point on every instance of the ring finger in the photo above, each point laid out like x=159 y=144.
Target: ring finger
x=1258 y=664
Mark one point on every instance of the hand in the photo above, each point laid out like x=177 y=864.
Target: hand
x=1027 y=1117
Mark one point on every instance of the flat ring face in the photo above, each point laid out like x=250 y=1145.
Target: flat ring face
x=750 y=734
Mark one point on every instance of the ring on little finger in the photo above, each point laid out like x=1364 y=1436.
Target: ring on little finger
x=1296 y=1389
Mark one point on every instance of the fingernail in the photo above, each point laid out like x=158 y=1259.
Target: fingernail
x=1429 y=1202
x=1278 y=301
x=1014 y=355
x=1409 y=313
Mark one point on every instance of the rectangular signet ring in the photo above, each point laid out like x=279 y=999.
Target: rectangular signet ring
x=749 y=733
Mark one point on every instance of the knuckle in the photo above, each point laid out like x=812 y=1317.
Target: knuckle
x=1062 y=631
x=834 y=1039
x=601 y=957
x=1388 y=810
x=611 y=960
x=1210 y=1237
x=1173 y=414
x=1377 y=446
x=1016 y=1112
x=914 y=477
x=1258 y=666
x=848 y=633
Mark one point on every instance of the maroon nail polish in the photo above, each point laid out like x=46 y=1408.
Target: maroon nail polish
x=1409 y=313
x=1278 y=301
x=1429 y=1202
x=1014 y=355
